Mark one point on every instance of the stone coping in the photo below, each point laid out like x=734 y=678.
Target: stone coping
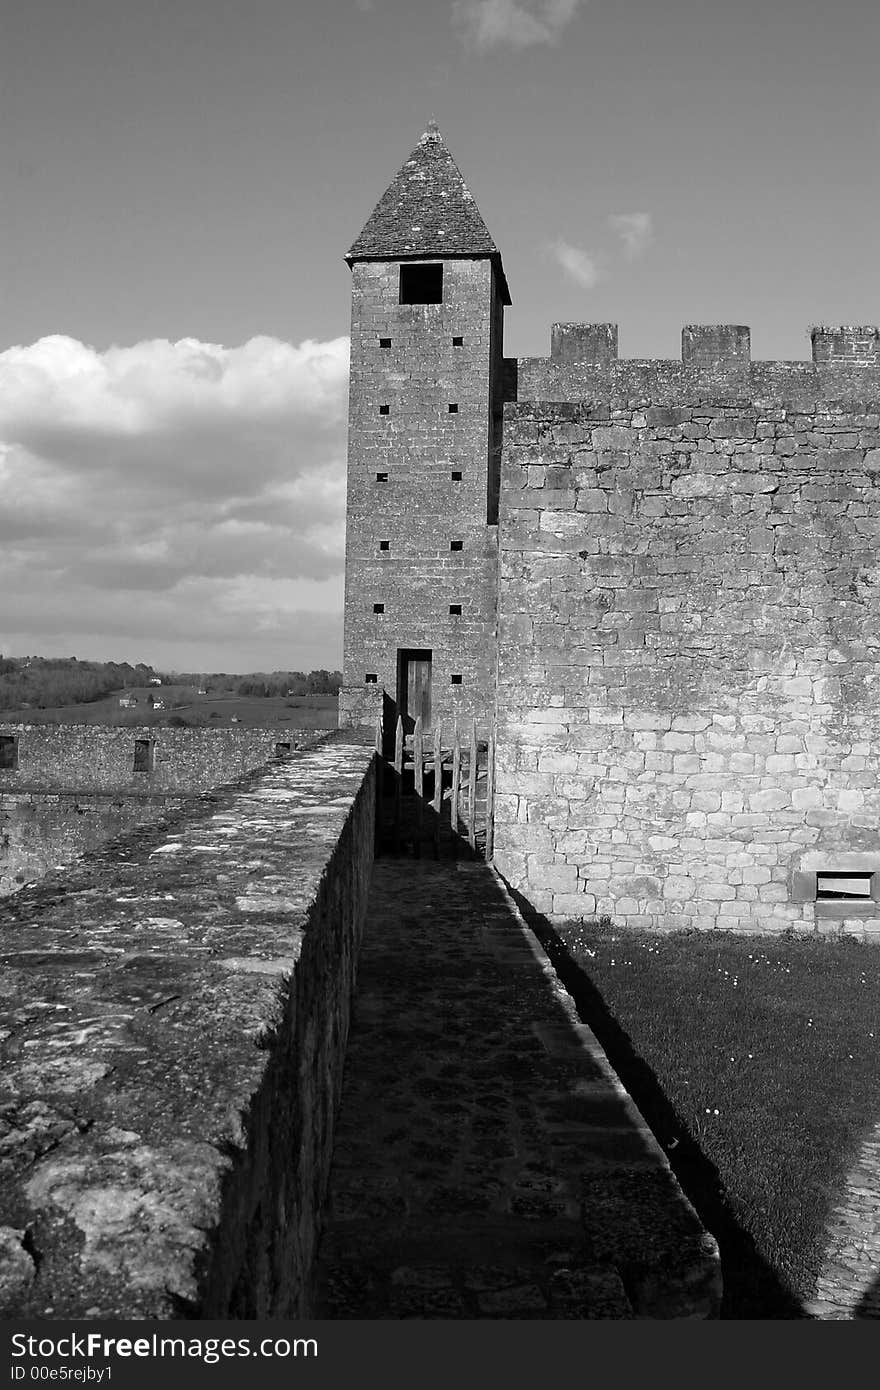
x=147 y=998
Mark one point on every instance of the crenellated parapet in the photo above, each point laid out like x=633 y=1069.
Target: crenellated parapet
x=715 y=359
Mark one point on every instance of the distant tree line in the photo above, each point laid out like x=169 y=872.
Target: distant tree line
x=259 y=684
x=43 y=682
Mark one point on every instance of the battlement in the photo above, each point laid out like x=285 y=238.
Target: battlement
x=715 y=362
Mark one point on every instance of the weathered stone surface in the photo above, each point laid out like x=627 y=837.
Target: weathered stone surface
x=172 y=1059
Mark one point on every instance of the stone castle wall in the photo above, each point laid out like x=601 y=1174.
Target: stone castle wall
x=74 y=787
x=688 y=722
x=420 y=480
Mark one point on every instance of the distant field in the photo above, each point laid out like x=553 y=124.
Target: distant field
x=183 y=703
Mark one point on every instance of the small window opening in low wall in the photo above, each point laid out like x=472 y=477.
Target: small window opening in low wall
x=455 y=609
x=371 y=678
x=384 y=409
x=384 y=342
x=378 y=608
x=282 y=750
x=457 y=341
x=841 y=886
x=456 y=475
x=455 y=680
x=453 y=407
x=144 y=754
x=456 y=545
x=384 y=545
x=8 y=752
x=381 y=477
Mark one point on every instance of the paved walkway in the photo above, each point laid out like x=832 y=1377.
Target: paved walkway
x=848 y=1286
x=487 y=1162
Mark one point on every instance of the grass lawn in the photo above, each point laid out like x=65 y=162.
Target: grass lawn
x=756 y=1063
x=183 y=702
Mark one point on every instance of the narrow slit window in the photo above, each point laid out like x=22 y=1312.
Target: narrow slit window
x=384 y=342
x=455 y=680
x=381 y=477
x=371 y=678
x=8 y=752
x=384 y=409
x=378 y=608
x=843 y=887
x=455 y=610
x=421 y=284
x=458 y=342
x=384 y=545
x=456 y=545
x=453 y=407
x=144 y=749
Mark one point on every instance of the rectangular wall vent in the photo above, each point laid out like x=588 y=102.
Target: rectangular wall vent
x=842 y=886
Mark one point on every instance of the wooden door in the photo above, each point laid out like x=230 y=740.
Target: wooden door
x=415 y=688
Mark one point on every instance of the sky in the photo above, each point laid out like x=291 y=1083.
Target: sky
x=179 y=184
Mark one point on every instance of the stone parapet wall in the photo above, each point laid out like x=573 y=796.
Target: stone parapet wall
x=41 y=831
x=174 y=1017
x=688 y=722
x=101 y=758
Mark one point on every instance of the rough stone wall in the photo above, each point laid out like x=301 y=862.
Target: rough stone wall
x=174 y=1015
x=420 y=509
x=41 y=831
x=688 y=722
x=101 y=758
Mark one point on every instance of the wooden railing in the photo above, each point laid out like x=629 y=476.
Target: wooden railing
x=452 y=793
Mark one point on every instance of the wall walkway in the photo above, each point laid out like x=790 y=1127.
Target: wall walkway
x=488 y=1162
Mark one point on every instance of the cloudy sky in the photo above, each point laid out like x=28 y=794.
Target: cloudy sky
x=179 y=183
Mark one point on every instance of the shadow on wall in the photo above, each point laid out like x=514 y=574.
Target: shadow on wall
x=752 y=1289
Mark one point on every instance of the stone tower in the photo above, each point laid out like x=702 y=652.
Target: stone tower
x=428 y=297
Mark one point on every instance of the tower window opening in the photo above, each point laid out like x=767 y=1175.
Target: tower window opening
x=456 y=475
x=381 y=477
x=421 y=284
x=384 y=409
x=456 y=545
x=453 y=408
x=455 y=609
x=458 y=342
x=378 y=608
x=384 y=342
x=384 y=545
x=370 y=678
x=455 y=680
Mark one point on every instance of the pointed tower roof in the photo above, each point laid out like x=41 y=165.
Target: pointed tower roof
x=427 y=210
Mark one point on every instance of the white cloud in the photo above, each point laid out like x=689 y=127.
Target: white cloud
x=579 y=265
x=635 y=229
x=485 y=24
x=188 y=495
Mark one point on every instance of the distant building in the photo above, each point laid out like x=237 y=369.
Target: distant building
x=127 y=701
x=155 y=680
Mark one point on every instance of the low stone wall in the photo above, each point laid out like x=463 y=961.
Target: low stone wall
x=173 y=1015
x=42 y=831
x=106 y=758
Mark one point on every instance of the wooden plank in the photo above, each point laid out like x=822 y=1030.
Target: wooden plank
x=398 y=780
x=379 y=734
x=490 y=799
x=419 y=777
x=472 y=788
x=438 y=787
x=456 y=781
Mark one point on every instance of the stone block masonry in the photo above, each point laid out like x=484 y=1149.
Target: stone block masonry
x=66 y=789
x=688 y=722
x=174 y=1016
